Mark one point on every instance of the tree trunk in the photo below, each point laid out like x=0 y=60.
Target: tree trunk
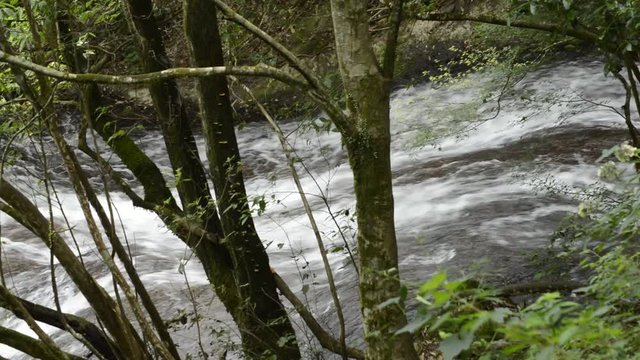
x=172 y=118
x=261 y=317
x=369 y=155
x=238 y=266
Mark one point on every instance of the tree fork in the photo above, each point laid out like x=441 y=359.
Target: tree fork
x=261 y=318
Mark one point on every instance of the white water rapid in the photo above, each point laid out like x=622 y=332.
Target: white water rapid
x=464 y=201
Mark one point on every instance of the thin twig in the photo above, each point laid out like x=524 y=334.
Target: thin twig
x=323 y=252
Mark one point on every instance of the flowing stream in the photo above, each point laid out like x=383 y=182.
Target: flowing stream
x=474 y=200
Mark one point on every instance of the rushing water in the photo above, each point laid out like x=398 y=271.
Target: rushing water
x=463 y=202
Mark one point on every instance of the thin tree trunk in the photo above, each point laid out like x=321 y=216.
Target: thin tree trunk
x=192 y=183
x=172 y=118
x=368 y=146
x=155 y=189
x=261 y=317
x=25 y=212
x=238 y=267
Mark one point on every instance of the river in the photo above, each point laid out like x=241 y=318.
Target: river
x=473 y=200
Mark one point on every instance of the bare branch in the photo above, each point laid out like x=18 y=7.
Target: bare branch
x=312 y=221
x=259 y=70
x=317 y=92
x=28 y=345
x=578 y=33
x=291 y=58
x=633 y=132
x=25 y=212
x=539 y=287
x=48 y=346
x=188 y=229
x=326 y=340
x=54 y=318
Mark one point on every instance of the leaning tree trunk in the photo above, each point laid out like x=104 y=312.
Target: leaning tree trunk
x=368 y=144
x=238 y=265
x=261 y=317
x=183 y=154
x=22 y=210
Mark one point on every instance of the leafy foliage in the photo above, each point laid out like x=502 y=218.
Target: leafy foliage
x=599 y=320
x=615 y=22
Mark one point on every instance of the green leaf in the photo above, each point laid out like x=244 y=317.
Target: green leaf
x=498 y=315
x=434 y=283
x=606 y=153
x=482 y=318
x=601 y=311
x=441 y=297
x=567 y=334
x=440 y=320
x=392 y=301
x=567 y=4
x=454 y=345
x=546 y=353
x=415 y=325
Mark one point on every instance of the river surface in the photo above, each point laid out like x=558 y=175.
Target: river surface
x=476 y=199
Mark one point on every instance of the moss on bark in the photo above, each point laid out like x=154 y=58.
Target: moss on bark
x=260 y=316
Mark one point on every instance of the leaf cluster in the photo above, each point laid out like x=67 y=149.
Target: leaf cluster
x=615 y=22
x=598 y=321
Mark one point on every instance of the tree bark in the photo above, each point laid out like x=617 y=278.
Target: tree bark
x=183 y=154
x=28 y=345
x=368 y=145
x=156 y=190
x=260 y=316
x=103 y=344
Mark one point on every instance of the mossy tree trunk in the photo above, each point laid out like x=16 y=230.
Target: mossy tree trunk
x=156 y=190
x=368 y=145
x=261 y=317
x=183 y=154
x=237 y=265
